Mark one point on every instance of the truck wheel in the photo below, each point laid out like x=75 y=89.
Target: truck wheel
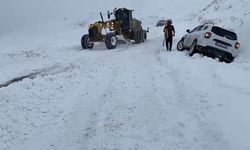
x=138 y=36
x=180 y=46
x=85 y=42
x=110 y=41
x=192 y=50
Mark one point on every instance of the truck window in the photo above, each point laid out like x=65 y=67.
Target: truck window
x=200 y=27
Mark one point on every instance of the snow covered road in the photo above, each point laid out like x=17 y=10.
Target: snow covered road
x=136 y=97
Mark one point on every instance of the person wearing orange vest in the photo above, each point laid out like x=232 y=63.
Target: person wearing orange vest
x=169 y=32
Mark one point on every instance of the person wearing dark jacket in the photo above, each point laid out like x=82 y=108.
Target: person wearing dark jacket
x=169 y=32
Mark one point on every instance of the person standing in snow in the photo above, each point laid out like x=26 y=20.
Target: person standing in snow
x=169 y=32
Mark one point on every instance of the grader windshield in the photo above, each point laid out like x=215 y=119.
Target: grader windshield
x=125 y=17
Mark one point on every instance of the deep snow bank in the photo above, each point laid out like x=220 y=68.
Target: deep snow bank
x=244 y=38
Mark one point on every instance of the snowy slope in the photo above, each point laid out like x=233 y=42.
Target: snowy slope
x=134 y=97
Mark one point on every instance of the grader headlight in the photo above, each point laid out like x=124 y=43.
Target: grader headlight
x=111 y=25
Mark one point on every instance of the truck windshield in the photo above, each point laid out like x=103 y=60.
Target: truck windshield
x=224 y=33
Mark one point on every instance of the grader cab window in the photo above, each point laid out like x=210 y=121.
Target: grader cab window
x=125 y=18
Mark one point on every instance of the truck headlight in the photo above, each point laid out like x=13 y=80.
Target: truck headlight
x=207 y=35
x=237 y=45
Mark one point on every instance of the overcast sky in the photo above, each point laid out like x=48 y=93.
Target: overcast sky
x=15 y=14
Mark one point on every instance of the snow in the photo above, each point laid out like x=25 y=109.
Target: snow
x=134 y=97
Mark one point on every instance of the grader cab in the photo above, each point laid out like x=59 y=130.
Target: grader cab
x=123 y=26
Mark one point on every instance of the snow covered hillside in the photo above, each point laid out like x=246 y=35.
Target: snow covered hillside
x=136 y=97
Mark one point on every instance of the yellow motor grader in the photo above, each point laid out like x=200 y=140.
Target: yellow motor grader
x=123 y=26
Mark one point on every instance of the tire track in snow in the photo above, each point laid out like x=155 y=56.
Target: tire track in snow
x=194 y=103
x=43 y=72
x=94 y=133
x=120 y=117
x=111 y=116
